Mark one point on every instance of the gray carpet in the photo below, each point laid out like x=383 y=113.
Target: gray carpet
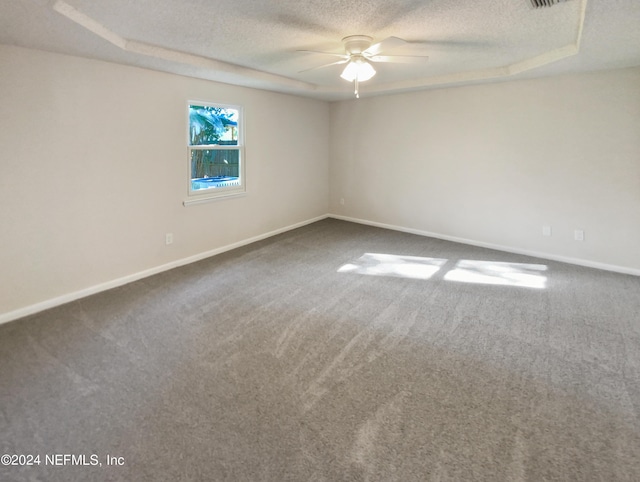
x=267 y=363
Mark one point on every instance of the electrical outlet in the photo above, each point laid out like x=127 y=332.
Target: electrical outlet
x=546 y=230
x=342 y=201
x=578 y=235
x=168 y=238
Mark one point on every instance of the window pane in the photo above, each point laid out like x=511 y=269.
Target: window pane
x=214 y=168
x=210 y=125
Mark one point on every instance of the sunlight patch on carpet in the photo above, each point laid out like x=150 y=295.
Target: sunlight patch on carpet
x=498 y=273
x=466 y=270
x=377 y=264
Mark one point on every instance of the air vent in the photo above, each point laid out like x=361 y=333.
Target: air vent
x=545 y=3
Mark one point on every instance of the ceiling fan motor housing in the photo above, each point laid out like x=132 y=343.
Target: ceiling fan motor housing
x=356 y=44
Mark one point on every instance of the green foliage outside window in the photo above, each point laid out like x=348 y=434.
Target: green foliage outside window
x=213 y=126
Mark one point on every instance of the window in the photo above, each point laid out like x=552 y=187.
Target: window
x=215 y=148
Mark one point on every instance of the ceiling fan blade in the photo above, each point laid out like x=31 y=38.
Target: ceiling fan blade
x=400 y=59
x=343 y=56
x=387 y=44
x=343 y=61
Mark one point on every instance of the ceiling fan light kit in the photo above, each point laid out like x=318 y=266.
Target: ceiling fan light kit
x=358 y=70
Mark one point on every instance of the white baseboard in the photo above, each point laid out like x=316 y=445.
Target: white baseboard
x=60 y=300
x=498 y=247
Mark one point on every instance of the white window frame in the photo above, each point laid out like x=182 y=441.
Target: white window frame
x=198 y=196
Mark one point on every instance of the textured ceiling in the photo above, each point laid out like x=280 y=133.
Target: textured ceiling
x=256 y=44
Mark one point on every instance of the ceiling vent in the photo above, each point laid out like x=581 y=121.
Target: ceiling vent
x=545 y=3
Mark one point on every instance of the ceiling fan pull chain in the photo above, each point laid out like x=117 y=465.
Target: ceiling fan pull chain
x=356 y=90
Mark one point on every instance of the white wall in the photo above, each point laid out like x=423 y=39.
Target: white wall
x=494 y=163
x=93 y=172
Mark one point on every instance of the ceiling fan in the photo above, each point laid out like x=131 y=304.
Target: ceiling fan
x=359 y=55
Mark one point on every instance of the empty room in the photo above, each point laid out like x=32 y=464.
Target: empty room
x=320 y=241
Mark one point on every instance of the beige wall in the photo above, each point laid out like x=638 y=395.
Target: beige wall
x=93 y=172
x=494 y=163
x=93 y=169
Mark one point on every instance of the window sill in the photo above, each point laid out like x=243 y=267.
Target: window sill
x=207 y=199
